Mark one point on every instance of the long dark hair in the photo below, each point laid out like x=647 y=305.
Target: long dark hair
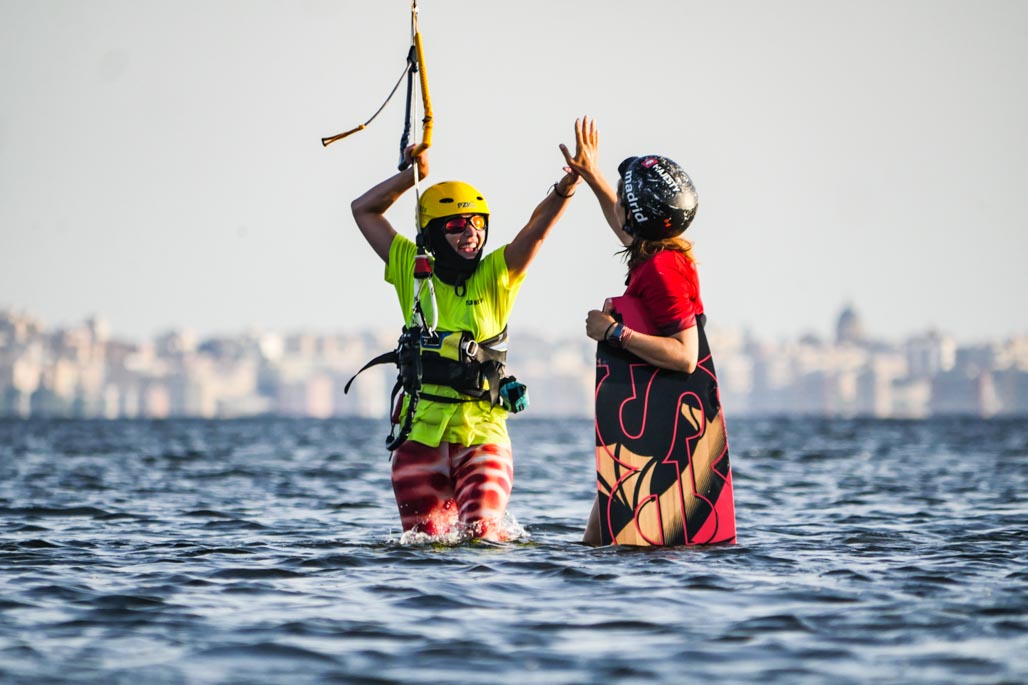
x=641 y=249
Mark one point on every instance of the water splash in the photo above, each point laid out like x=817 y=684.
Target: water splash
x=509 y=530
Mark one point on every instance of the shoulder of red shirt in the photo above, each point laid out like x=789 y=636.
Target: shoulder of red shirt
x=666 y=261
x=669 y=286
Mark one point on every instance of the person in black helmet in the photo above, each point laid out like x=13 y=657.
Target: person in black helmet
x=655 y=201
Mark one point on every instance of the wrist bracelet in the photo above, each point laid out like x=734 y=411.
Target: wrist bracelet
x=606 y=333
x=560 y=194
x=620 y=337
x=615 y=339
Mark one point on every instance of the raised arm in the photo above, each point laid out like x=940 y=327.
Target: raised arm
x=369 y=209
x=522 y=250
x=586 y=164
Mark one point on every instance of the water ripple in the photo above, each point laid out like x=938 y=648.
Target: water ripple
x=268 y=551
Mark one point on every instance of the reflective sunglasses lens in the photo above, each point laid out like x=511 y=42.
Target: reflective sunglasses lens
x=459 y=223
x=454 y=226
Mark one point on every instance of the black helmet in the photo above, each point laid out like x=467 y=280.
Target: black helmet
x=660 y=199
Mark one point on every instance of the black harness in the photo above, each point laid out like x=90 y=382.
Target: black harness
x=451 y=358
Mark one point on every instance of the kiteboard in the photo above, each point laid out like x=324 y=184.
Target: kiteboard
x=663 y=476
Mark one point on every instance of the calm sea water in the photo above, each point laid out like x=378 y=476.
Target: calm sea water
x=268 y=551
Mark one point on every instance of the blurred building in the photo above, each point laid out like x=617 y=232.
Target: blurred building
x=82 y=371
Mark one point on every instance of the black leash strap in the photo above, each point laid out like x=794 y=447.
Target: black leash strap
x=412 y=68
x=385 y=358
x=408 y=358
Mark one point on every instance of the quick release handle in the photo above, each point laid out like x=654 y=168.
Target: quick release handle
x=422 y=267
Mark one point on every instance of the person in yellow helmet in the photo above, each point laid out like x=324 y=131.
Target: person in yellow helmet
x=454 y=472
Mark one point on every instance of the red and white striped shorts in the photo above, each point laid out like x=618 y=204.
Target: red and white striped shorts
x=438 y=488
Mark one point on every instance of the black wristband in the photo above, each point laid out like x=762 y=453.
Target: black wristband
x=606 y=333
x=619 y=336
x=560 y=194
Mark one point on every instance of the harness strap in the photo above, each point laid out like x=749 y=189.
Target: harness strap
x=435 y=371
x=398 y=433
x=476 y=373
x=439 y=374
x=389 y=357
x=446 y=400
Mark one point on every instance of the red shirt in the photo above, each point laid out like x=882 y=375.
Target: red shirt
x=669 y=288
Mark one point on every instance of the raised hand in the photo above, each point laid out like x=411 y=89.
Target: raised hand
x=421 y=159
x=585 y=161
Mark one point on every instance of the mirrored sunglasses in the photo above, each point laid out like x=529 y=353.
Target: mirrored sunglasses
x=459 y=224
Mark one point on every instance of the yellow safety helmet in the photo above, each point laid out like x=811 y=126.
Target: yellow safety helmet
x=450 y=198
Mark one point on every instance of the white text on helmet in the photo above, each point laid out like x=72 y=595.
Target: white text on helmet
x=632 y=199
x=668 y=178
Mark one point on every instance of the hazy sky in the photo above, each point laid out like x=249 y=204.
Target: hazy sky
x=160 y=161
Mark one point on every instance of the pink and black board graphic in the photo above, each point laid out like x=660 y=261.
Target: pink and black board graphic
x=662 y=469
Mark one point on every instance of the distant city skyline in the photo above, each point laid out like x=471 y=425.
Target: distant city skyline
x=387 y=325
x=870 y=153
x=83 y=371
